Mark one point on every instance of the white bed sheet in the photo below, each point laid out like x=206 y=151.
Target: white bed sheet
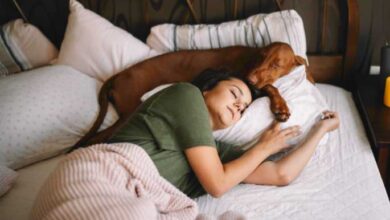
x=17 y=203
x=341 y=180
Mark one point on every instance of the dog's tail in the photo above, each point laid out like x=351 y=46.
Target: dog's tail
x=103 y=104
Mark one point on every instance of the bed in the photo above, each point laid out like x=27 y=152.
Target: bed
x=338 y=183
x=341 y=181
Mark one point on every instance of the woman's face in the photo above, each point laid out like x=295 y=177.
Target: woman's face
x=226 y=102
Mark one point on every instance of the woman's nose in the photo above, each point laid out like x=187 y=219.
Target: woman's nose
x=239 y=106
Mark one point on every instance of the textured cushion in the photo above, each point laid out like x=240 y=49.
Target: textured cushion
x=304 y=100
x=23 y=47
x=256 y=31
x=7 y=179
x=95 y=47
x=44 y=112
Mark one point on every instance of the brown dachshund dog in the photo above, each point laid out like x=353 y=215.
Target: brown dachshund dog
x=261 y=66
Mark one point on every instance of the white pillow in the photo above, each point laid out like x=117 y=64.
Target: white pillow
x=44 y=112
x=95 y=47
x=256 y=31
x=304 y=100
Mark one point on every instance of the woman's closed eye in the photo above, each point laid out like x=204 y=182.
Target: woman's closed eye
x=233 y=93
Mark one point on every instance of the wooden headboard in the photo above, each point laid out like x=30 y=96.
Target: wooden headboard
x=338 y=68
x=331 y=26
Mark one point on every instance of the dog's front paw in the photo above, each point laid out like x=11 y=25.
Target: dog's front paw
x=281 y=111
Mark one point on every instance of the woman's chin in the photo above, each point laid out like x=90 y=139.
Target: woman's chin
x=224 y=122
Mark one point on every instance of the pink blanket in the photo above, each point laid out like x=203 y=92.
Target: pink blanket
x=112 y=181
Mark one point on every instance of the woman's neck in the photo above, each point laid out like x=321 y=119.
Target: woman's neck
x=212 y=124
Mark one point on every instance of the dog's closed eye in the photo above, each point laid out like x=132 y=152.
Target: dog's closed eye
x=274 y=66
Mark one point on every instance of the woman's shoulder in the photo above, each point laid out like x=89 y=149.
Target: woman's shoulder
x=182 y=93
x=183 y=88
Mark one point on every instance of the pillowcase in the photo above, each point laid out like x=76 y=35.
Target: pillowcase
x=45 y=111
x=304 y=100
x=95 y=47
x=7 y=179
x=256 y=31
x=23 y=47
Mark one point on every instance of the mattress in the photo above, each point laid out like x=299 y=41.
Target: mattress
x=341 y=181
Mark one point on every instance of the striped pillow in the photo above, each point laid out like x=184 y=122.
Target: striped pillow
x=23 y=47
x=256 y=31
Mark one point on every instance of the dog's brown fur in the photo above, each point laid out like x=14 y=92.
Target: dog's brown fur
x=261 y=66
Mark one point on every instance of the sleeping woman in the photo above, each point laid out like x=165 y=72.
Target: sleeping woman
x=175 y=128
x=172 y=131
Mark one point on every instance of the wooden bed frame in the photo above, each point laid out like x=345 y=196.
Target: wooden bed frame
x=334 y=67
x=339 y=68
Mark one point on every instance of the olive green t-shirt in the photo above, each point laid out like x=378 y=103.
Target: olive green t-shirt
x=166 y=124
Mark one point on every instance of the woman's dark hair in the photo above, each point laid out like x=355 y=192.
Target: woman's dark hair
x=209 y=78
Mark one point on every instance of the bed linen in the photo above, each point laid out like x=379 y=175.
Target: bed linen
x=341 y=180
x=17 y=203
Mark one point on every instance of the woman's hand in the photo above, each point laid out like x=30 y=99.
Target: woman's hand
x=275 y=139
x=329 y=122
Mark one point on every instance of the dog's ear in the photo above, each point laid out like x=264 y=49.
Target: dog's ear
x=300 y=61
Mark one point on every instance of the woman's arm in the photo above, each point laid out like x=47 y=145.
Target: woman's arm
x=282 y=172
x=287 y=169
x=217 y=178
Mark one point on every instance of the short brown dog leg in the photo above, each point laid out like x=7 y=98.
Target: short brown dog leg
x=278 y=105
